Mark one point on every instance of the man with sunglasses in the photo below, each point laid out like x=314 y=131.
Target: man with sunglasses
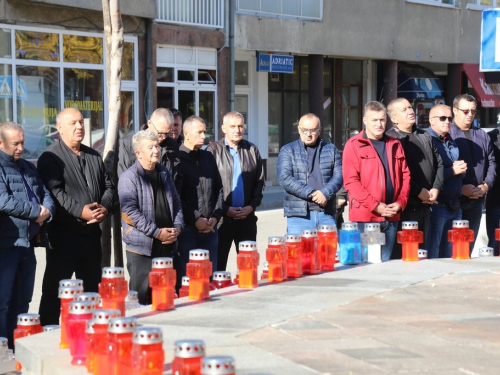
x=310 y=171
x=160 y=123
x=476 y=150
x=425 y=164
x=447 y=208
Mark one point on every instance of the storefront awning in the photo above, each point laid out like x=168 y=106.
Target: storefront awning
x=488 y=93
x=416 y=82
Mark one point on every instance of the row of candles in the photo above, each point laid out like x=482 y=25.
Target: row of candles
x=96 y=336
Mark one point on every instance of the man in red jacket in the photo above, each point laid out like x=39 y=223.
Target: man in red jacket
x=376 y=176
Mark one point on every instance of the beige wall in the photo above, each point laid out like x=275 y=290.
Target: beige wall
x=371 y=29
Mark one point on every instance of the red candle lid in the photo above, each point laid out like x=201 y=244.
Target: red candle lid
x=247 y=246
x=217 y=366
x=460 y=224
x=71 y=282
x=102 y=316
x=409 y=225
x=70 y=291
x=185 y=280
x=82 y=307
x=90 y=326
x=28 y=319
x=122 y=325
x=292 y=238
x=199 y=254
x=147 y=335
x=132 y=295
x=221 y=275
x=189 y=348
x=113 y=273
x=327 y=228
x=307 y=233
x=276 y=240
x=94 y=297
x=162 y=263
x=51 y=327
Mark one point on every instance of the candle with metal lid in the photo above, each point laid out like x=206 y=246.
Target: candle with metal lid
x=460 y=236
x=277 y=258
x=372 y=240
x=265 y=271
x=485 y=252
x=162 y=279
x=350 y=244
x=147 y=351
x=132 y=300
x=327 y=245
x=221 y=279
x=237 y=277
x=248 y=262
x=310 y=254
x=293 y=247
x=67 y=294
x=120 y=332
x=410 y=237
x=27 y=325
x=51 y=327
x=101 y=320
x=89 y=346
x=422 y=254
x=218 y=366
x=199 y=270
x=188 y=355
x=113 y=289
x=79 y=313
x=184 y=290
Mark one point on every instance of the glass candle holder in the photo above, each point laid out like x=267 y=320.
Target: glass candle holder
x=27 y=325
x=265 y=271
x=422 y=254
x=485 y=252
x=221 y=279
x=188 y=356
x=89 y=346
x=277 y=258
x=293 y=247
x=147 y=351
x=184 y=290
x=460 y=236
x=67 y=294
x=51 y=327
x=120 y=332
x=162 y=279
x=79 y=313
x=372 y=240
x=199 y=270
x=327 y=245
x=101 y=320
x=410 y=237
x=350 y=244
x=132 y=300
x=113 y=289
x=218 y=366
x=310 y=255
x=248 y=263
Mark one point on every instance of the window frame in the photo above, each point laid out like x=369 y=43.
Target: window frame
x=260 y=13
x=437 y=3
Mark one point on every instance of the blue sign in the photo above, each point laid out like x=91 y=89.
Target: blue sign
x=489 y=60
x=6 y=88
x=274 y=63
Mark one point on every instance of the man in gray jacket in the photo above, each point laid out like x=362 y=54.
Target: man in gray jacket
x=25 y=206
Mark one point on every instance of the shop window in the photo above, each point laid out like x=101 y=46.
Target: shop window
x=6 y=93
x=32 y=45
x=128 y=71
x=83 y=90
x=82 y=49
x=5 y=43
x=38 y=103
x=241 y=73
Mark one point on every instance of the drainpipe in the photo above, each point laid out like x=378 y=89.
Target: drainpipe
x=149 y=69
x=231 y=54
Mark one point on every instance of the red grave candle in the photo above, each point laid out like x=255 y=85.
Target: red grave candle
x=162 y=279
x=101 y=320
x=120 y=332
x=293 y=246
x=248 y=261
x=147 y=351
x=310 y=255
x=221 y=279
x=410 y=237
x=113 y=289
x=188 y=355
x=460 y=236
x=67 y=294
x=327 y=244
x=79 y=313
x=218 y=366
x=199 y=270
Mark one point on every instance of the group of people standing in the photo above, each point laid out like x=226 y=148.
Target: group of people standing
x=174 y=196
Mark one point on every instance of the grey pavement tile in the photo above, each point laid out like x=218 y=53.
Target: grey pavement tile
x=367 y=354
x=304 y=325
x=472 y=317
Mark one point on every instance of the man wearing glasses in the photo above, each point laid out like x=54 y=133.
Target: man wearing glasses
x=310 y=171
x=447 y=208
x=160 y=123
x=475 y=149
x=242 y=174
x=424 y=162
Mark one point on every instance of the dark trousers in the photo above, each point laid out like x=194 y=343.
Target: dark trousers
x=420 y=214
x=234 y=230
x=70 y=253
x=492 y=223
x=17 y=280
x=472 y=210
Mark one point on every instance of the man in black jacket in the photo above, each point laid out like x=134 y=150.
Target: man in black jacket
x=161 y=123
x=176 y=133
x=242 y=174
x=424 y=162
x=200 y=188
x=83 y=192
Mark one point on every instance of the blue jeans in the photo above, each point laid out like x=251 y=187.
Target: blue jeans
x=472 y=210
x=295 y=224
x=390 y=229
x=492 y=223
x=191 y=239
x=17 y=280
x=441 y=222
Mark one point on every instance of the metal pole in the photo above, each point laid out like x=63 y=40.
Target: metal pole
x=231 y=54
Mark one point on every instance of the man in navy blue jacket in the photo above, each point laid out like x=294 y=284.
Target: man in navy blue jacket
x=25 y=205
x=310 y=171
x=476 y=150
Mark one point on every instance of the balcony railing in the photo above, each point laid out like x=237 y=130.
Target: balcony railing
x=204 y=13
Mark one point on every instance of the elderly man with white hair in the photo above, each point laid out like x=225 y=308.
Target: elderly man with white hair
x=150 y=210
